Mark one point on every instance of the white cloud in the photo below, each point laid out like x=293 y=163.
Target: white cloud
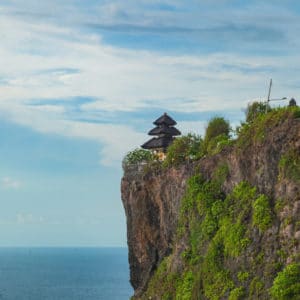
x=27 y=218
x=22 y=219
x=9 y=183
x=123 y=79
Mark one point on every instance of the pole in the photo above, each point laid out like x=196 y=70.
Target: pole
x=269 y=94
x=270 y=86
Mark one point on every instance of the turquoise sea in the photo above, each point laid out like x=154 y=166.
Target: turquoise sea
x=64 y=274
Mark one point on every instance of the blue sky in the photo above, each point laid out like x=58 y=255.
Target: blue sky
x=82 y=81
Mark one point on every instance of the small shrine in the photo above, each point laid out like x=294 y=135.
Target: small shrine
x=165 y=133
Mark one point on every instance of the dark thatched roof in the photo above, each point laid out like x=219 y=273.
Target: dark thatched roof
x=160 y=142
x=165 y=119
x=164 y=129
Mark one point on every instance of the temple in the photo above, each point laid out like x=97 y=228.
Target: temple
x=164 y=132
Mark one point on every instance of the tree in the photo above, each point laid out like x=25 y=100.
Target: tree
x=136 y=156
x=217 y=126
x=188 y=147
x=217 y=132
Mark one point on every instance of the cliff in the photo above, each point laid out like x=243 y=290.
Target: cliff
x=226 y=226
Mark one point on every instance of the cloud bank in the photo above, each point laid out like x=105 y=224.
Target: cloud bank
x=9 y=183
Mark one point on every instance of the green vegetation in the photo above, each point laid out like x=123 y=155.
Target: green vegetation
x=217 y=144
x=214 y=227
x=286 y=285
x=279 y=205
x=165 y=280
x=185 y=286
x=239 y=201
x=258 y=123
x=218 y=286
x=217 y=126
x=192 y=147
x=137 y=156
x=262 y=216
x=221 y=173
x=243 y=276
x=237 y=293
x=188 y=147
x=256 y=109
x=256 y=289
x=233 y=234
x=216 y=136
x=289 y=165
x=259 y=119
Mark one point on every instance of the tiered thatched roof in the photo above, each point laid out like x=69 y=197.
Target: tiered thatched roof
x=165 y=132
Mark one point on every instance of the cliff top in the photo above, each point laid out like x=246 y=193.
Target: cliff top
x=219 y=136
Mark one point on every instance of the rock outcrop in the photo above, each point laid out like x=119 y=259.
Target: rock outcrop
x=152 y=204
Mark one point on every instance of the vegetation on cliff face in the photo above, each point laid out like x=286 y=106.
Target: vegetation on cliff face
x=234 y=241
x=289 y=165
x=286 y=284
x=216 y=232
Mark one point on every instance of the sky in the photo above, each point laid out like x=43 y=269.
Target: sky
x=82 y=81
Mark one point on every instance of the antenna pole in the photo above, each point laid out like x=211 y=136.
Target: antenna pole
x=269 y=93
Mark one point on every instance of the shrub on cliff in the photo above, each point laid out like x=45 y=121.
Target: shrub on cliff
x=188 y=147
x=216 y=127
x=137 y=156
x=286 y=285
x=289 y=165
x=262 y=216
x=216 y=135
x=255 y=109
x=216 y=144
x=259 y=126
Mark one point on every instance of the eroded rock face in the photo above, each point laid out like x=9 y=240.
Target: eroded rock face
x=152 y=204
x=152 y=201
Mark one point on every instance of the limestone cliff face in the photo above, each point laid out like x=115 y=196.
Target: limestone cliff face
x=152 y=205
x=152 y=202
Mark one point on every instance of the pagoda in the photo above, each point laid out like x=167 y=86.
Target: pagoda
x=164 y=132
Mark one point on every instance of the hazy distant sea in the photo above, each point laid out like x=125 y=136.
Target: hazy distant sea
x=64 y=274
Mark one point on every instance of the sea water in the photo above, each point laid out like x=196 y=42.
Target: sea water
x=64 y=274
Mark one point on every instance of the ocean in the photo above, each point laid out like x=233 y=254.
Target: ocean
x=64 y=274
